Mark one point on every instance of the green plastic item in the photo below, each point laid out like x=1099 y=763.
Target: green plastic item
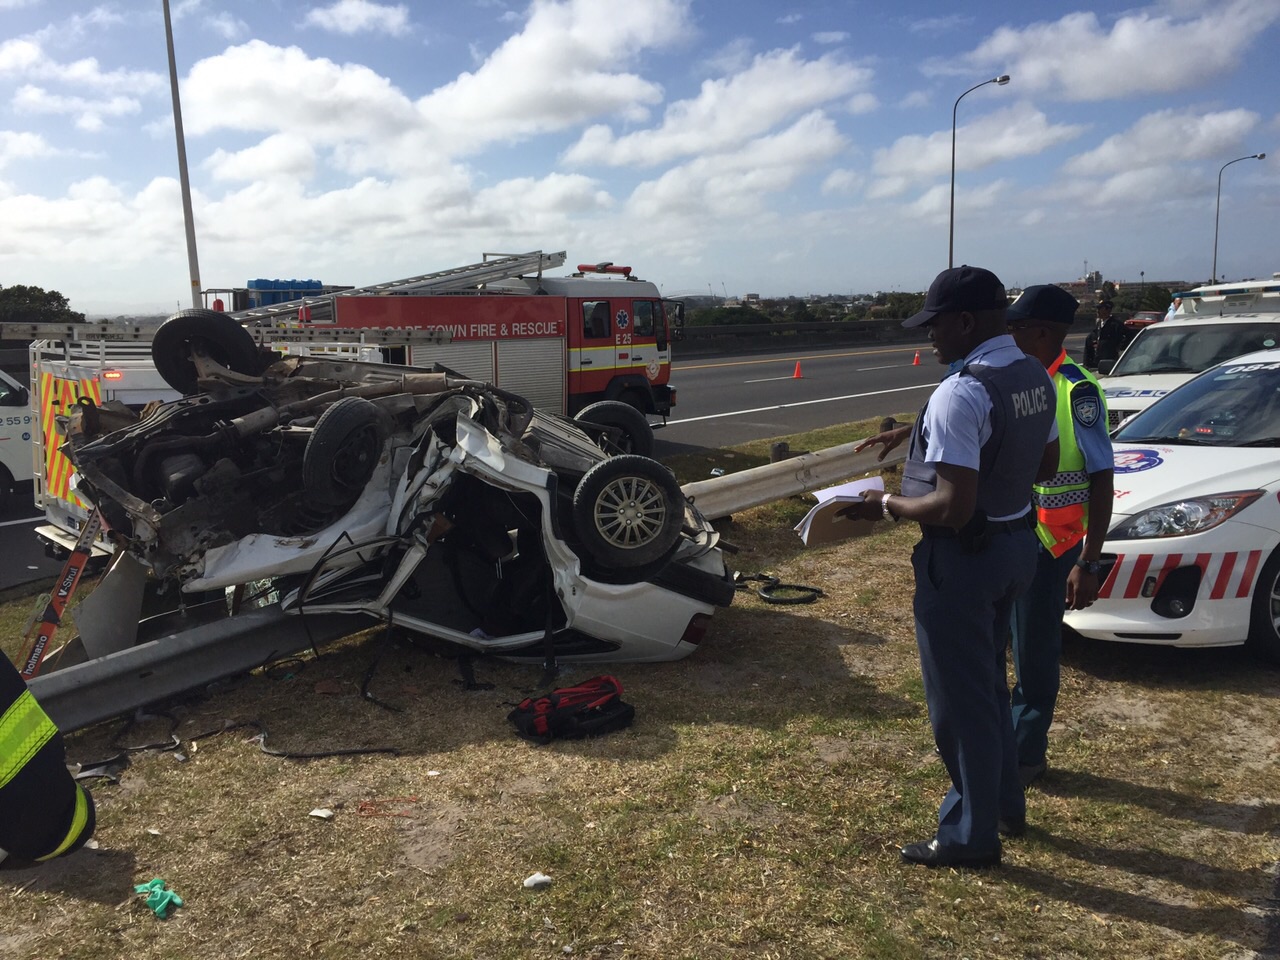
x=158 y=898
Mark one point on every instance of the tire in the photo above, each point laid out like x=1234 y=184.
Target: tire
x=631 y=432
x=1264 y=616
x=628 y=512
x=342 y=452
x=7 y=487
x=220 y=337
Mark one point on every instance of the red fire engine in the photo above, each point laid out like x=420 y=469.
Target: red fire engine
x=561 y=342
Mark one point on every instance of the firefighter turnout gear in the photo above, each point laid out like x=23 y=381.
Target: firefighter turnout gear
x=44 y=813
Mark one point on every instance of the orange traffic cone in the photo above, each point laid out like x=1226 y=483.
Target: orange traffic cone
x=916 y=361
x=796 y=375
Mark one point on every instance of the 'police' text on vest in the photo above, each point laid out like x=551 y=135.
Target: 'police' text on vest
x=1027 y=402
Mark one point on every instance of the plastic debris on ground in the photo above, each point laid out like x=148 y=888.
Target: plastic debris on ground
x=321 y=813
x=537 y=881
x=159 y=899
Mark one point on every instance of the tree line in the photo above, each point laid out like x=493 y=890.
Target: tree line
x=26 y=304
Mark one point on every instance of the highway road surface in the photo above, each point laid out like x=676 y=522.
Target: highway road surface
x=24 y=559
x=726 y=400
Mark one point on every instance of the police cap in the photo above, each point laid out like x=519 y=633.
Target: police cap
x=1044 y=302
x=960 y=289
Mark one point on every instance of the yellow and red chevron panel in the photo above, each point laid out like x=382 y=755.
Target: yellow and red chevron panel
x=57 y=396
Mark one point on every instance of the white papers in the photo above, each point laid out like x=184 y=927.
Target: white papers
x=822 y=525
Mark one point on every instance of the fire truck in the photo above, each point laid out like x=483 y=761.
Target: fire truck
x=562 y=342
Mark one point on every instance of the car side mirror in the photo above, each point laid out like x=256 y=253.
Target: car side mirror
x=1104 y=366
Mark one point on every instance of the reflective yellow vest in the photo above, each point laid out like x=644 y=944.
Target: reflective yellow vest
x=1062 y=501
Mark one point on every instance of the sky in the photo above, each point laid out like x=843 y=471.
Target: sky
x=718 y=147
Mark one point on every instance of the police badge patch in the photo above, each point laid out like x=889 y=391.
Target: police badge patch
x=1086 y=406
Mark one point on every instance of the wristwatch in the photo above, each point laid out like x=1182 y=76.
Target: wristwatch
x=884 y=508
x=1090 y=566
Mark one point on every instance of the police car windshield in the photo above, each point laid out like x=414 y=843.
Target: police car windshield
x=1236 y=405
x=1193 y=348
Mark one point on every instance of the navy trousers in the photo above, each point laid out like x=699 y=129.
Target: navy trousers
x=962 y=605
x=1037 y=648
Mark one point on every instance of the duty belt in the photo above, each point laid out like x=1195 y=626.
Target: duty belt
x=1025 y=522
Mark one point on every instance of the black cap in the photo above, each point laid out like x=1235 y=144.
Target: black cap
x=962 y=288
x=1044 y=302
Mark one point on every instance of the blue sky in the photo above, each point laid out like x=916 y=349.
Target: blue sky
x=729 y=147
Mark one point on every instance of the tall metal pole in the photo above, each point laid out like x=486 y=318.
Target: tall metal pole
x=1218 y=208
x=193 y=262
x=951 y=236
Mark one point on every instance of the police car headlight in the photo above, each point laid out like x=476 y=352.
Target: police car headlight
x=1193 y=515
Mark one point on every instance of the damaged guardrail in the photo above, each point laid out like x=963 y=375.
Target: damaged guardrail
x=722 y=496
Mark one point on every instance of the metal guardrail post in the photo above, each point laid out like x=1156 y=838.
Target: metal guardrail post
x=734 y=492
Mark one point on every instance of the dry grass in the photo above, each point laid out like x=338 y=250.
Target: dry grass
x=754 y=809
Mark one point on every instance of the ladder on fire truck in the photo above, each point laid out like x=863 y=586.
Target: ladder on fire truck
x=494 y=267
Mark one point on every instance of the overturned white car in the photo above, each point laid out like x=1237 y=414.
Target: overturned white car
x=439 y=504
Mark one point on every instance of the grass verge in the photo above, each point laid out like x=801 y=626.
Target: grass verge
x=754 y=809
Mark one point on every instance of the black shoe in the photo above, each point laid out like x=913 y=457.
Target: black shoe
x=930 y=854
x=1029 y=773
x=1013 y=826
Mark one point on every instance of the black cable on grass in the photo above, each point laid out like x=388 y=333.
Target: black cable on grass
x=773 y=590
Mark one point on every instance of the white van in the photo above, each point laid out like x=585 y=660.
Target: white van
x=16 y=451
x=1213 y=323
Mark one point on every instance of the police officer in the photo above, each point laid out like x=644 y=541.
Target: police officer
x=1073 y=510
x=975 y=450
x=44 y=813
x=1110 y=334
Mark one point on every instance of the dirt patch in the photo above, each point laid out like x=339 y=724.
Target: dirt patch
x=432 y=841
x=1126 y=709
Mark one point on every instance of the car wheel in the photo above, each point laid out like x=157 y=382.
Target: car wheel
x=343 y=451
x=631 y=432
x=1264 y=618
x=7 y=487
x=628 y=513
x=215 y=334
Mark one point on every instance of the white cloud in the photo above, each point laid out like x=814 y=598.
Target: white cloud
x=27 y=58
x=735 y=184
x=18 y=56
x=863 y=103
x=937 y=25
x=280 y=155
x=17 y=4
x=842 y=181
x=22 y=146
x=828 y=37
x=1016 y=131
x=1076 y=58
x=360 y=16
x=225 y=25
x=1166 y=135
x=562 y=69
x=915 y=99
x=790 y=18
x=727 y=112
x=89 y=114
x=935 y=203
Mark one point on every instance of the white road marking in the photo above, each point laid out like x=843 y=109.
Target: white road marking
x=769 y=379
x=803 y=403
x=11 y=523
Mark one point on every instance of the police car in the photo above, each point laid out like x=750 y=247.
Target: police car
x=1213 y=324
x=1191 y=557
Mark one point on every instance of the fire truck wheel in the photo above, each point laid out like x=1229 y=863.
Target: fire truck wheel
x=215 y=334
x=627 y=429
x=628 y=512
x=343 y=451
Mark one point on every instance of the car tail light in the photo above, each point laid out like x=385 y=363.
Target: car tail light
x=112 y=375
x=697 y=629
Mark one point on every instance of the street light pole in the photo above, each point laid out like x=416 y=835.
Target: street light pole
x=188 y=218
x=1218 y=208
x=951 y=236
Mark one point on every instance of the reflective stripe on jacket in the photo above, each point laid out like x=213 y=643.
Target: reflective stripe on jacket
x=44 y=813
x=1062 y=501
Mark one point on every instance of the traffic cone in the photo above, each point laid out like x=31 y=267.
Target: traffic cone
x=916 y=361
x=796 y=375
